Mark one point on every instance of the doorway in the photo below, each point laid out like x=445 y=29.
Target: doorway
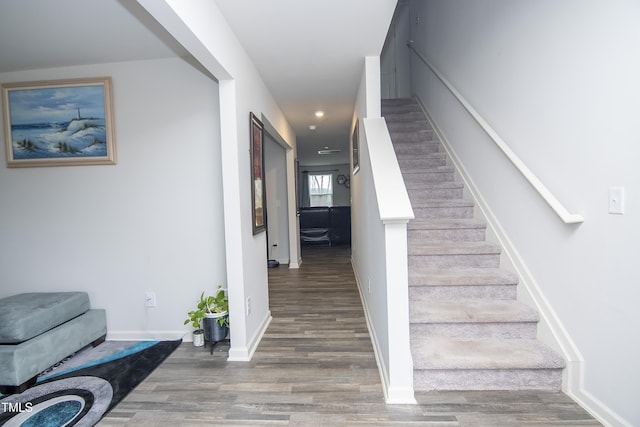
x=275 y=176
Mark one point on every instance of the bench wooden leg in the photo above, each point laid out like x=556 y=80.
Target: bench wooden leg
x=17 y=389
x=99 y=341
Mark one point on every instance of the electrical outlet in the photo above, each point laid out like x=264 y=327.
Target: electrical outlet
x=150 y=299
x=616 y=200
x=248 y=306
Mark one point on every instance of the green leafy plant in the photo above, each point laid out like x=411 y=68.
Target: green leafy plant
x=210 y=304
x=195 y=318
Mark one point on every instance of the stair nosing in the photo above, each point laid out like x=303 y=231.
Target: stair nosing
x=462 y=277
x=438 y=203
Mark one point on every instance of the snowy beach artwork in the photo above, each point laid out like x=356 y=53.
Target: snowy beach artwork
x=57 y=123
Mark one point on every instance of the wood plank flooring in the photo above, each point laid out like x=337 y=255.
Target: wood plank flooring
x=315 y=367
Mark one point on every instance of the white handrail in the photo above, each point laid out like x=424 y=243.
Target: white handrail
x=555 y=204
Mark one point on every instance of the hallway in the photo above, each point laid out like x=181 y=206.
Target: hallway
x=315 y=367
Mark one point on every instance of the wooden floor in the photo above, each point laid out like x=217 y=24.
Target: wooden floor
x=315 y=367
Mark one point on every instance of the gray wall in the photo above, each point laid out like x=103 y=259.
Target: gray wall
x=559 y=82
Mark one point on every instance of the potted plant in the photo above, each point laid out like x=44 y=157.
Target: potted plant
x=195 y=318
x=216 y=320
x=213 y=313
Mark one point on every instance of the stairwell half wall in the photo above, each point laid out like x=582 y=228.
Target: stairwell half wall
x=379 y=217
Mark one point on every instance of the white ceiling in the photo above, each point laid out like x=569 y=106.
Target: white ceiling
x=309 y=53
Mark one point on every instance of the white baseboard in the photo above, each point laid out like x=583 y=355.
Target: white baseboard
x=295 y=264
x=149 y=336
x=244 y=354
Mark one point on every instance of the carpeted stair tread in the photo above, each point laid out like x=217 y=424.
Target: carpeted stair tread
x=427 y=159
x=393 y=102
x=424 y=170
x=424 y=161
x=440 y=224
x=471 y=311
x=462 y=277
x=400 y=108
x=408 y=126
x=443 y=203
x=468 y=330
x=453 y=248
x=436 y=174
x=427 y=206
x=459 y=283
x=478 y=354
x=427 y=186
x=404 y=115
x=416 y=148
x=409 y=136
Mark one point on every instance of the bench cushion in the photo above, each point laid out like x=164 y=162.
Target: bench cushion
x=27 y=315
x=20 y=362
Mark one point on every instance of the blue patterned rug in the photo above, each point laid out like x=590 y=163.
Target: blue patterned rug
x=82 y=388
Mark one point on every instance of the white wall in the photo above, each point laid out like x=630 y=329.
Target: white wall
x=559 y=83
x=201 y=28
x=152 y=222
x=395 y=67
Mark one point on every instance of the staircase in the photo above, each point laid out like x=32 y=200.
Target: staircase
x=468 y=331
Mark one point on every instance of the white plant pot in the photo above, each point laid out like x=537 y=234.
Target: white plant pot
x=215 y=315
x=198 y=339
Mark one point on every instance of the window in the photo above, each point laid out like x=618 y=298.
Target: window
x=320 y=190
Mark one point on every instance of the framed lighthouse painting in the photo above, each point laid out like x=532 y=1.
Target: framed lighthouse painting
x=58 y=123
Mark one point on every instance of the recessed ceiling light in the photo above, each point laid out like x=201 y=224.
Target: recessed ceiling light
x=319 y=113
x=312 y=127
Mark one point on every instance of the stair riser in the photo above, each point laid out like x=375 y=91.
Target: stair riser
x=409 y=126
x=508 y=379
x=443 y=212
x=454 y=234
x=416 y=149
x=401 y=109
x=428 y=177
x=453 y=261
x=403 y=137
x=497 y=292
x=433 y=160
x=507 y=330
x=410 y=115
x=417 y=195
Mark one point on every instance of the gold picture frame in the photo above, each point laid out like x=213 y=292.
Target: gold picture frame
x=59 y=122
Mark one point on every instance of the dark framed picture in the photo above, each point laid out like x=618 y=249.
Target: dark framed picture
x=258 y=198
x=59 y=122
x=355 y=151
